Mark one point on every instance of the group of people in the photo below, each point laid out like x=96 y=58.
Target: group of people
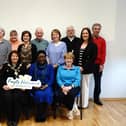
x=60 y=65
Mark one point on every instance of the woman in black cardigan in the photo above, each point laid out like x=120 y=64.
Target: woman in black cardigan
x=12 y=98
x=85 y=57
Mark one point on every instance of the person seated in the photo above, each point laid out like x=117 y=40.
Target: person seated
x=11 y=98
x=68 y=80
x=42 y=96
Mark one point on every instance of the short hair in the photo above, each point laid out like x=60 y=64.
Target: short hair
x=1 y=29
x=38 y=28
x=39 y=52
x=69 y=55
x=13 y=31
x=56 y=31
x=10 y=54
x=26 y=32
x=70 y=27
x=96 y=24
x=89 y=32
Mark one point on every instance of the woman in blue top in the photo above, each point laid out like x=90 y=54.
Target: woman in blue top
x=42 y=96
x=68 y=79
x=56 y=49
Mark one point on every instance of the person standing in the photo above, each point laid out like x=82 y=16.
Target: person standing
x=5 y=48
x=41 y=44
x=99 y=62
x=56 y=49
x=85 y=58
x=14 y=40
x=72 y=42
x=27 y=50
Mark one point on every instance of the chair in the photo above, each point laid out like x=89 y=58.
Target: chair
x=56 y=105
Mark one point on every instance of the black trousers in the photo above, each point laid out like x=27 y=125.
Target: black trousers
x=26 y=102
x=97 y=79
x=67 y=100
x=12 y=104
x=41 y=110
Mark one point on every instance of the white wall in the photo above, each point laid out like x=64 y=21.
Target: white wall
x=28 y=14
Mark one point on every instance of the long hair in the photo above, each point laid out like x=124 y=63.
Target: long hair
x=89 y=32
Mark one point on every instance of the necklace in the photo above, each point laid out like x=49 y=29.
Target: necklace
x=16 y=70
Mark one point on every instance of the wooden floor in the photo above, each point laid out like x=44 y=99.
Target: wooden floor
x=112 y=113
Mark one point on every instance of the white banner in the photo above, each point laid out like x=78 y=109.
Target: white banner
x=23 y=82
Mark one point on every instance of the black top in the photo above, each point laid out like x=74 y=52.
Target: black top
x=10 y=71
x=86 y=57
x=72 y=45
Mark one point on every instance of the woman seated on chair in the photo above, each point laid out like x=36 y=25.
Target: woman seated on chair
x=42 y=96
x=68 y=79
x=12 y=98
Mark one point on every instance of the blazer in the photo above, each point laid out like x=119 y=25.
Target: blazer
x=88 y=58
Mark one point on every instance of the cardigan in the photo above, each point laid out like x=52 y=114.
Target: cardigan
x=88 y=57
x=72 y=45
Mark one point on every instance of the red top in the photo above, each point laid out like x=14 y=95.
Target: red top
x=101 y=46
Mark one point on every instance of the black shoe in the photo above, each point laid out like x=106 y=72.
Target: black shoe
x=9 y=123
x=38 y=119
x=14 y=123
x=98 y=103
x=43 y=119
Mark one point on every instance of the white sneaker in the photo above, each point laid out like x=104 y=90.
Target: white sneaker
x=76 y=112
x=70 y=115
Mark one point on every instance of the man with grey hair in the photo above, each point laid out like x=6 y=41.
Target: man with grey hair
x=71 y=40
x=5 y=48
x=99 y=62
x=40 y=43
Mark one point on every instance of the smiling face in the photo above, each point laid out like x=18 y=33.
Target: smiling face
x=41 y=58
x=70 y=32
x=55 y=36
x=26 y=37
x=85 y=35
x=14 y=58
x=68 y=61
x=1 y=34
x=39 y=33
x=96 y=30
x=13 y=36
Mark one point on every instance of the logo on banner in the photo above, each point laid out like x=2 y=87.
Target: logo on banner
x=23 y=82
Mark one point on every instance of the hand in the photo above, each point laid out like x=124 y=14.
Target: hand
x=6 y=87
x=66 y=89
x=44 y=86
x=55 y=65
x=101 y=67
x=28 y=66
x=36 y=87
x=81 y=69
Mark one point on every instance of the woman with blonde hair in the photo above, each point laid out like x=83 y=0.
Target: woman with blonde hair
x=68 y=80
